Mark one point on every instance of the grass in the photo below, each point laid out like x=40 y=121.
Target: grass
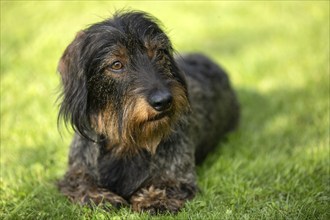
x=276 y=166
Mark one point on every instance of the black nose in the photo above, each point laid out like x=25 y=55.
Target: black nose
x=160 y=100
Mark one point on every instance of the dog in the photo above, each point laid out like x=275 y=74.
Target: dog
x=143 y=117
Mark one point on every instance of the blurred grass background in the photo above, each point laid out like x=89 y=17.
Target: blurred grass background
x=276 y=166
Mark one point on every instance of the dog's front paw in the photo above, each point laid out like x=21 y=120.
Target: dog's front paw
x=101 y=196
x=155 y=201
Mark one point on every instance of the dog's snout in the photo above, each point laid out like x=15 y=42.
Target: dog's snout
x=160 y=100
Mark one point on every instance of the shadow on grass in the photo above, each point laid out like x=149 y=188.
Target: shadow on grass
x=280 y=120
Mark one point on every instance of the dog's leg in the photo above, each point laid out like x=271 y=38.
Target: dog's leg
x=174 y=179
x=80 y=187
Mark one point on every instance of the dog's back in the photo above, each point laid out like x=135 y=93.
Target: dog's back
x=215 y=109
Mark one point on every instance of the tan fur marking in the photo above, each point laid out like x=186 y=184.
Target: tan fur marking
x=106 y=123
x=139 y=130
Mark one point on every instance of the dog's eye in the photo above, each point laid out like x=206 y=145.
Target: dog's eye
x=116 y=66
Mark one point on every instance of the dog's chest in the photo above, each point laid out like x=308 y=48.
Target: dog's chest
x=123 y=176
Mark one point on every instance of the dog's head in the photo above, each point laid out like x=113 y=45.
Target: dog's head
x=120 y=81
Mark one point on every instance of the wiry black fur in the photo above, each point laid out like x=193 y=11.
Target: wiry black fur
x=103 y=169
x=126 y=175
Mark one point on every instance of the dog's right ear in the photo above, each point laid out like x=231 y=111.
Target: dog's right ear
x=73 y=108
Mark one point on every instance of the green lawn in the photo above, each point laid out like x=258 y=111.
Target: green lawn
x=275 y=166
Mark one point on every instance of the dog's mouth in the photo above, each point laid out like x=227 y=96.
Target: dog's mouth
x=159 y=116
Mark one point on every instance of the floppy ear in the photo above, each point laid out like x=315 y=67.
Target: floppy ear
x=69 y=61
x=73 y=108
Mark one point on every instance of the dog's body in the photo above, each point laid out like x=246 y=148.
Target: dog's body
x=142 y=118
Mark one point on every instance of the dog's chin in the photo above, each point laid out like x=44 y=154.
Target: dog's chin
x=153 y=131
x=159 y=124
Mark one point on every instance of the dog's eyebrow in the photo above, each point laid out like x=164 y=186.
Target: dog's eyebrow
x=116 y=48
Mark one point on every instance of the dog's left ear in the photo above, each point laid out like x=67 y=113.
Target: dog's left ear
x=73 y=108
